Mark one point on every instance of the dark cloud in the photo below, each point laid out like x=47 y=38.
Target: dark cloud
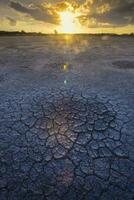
x=112 y=13
x=12 y=21
x=121 y=15
x=38 y=12
x=5 y=2
x=92 y=13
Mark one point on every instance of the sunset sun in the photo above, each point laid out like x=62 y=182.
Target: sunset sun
x=67 y=22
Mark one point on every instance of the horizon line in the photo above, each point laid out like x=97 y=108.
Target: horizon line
x=59 y=33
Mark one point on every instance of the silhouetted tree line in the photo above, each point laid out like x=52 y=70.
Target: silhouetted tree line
x=19 y=33
x=23 y=33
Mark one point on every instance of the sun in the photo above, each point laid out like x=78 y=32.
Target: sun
x=67 y=22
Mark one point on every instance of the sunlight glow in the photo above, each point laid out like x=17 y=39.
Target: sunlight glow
x=65 y=67
x=67 y=22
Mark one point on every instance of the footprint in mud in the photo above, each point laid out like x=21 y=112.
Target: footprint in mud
x=2 y=77
x=124 y=64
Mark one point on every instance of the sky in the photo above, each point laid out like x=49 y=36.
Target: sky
x=70 y=16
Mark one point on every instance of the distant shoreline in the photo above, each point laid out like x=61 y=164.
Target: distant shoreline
x=22 y=33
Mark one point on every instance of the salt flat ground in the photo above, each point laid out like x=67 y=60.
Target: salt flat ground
x=67 y=118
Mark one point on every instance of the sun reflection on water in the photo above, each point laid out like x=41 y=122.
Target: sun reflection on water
x=65 y=82
x=65 y=67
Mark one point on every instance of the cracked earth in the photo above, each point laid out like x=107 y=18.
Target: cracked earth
x=66 y=132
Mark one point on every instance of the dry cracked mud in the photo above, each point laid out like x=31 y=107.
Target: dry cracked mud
x=64 y=145
x=66 y=119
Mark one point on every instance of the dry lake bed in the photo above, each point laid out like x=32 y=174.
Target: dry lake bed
x=67 y=118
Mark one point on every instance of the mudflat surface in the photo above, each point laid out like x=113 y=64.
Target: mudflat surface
x=67 y=118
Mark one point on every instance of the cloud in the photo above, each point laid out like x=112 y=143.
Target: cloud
x=39 y=12
x=91 y=13
x=12 y=21
x=108 y=13
x=61 y=6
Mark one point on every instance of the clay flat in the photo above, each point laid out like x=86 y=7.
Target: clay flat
x=66 y=118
